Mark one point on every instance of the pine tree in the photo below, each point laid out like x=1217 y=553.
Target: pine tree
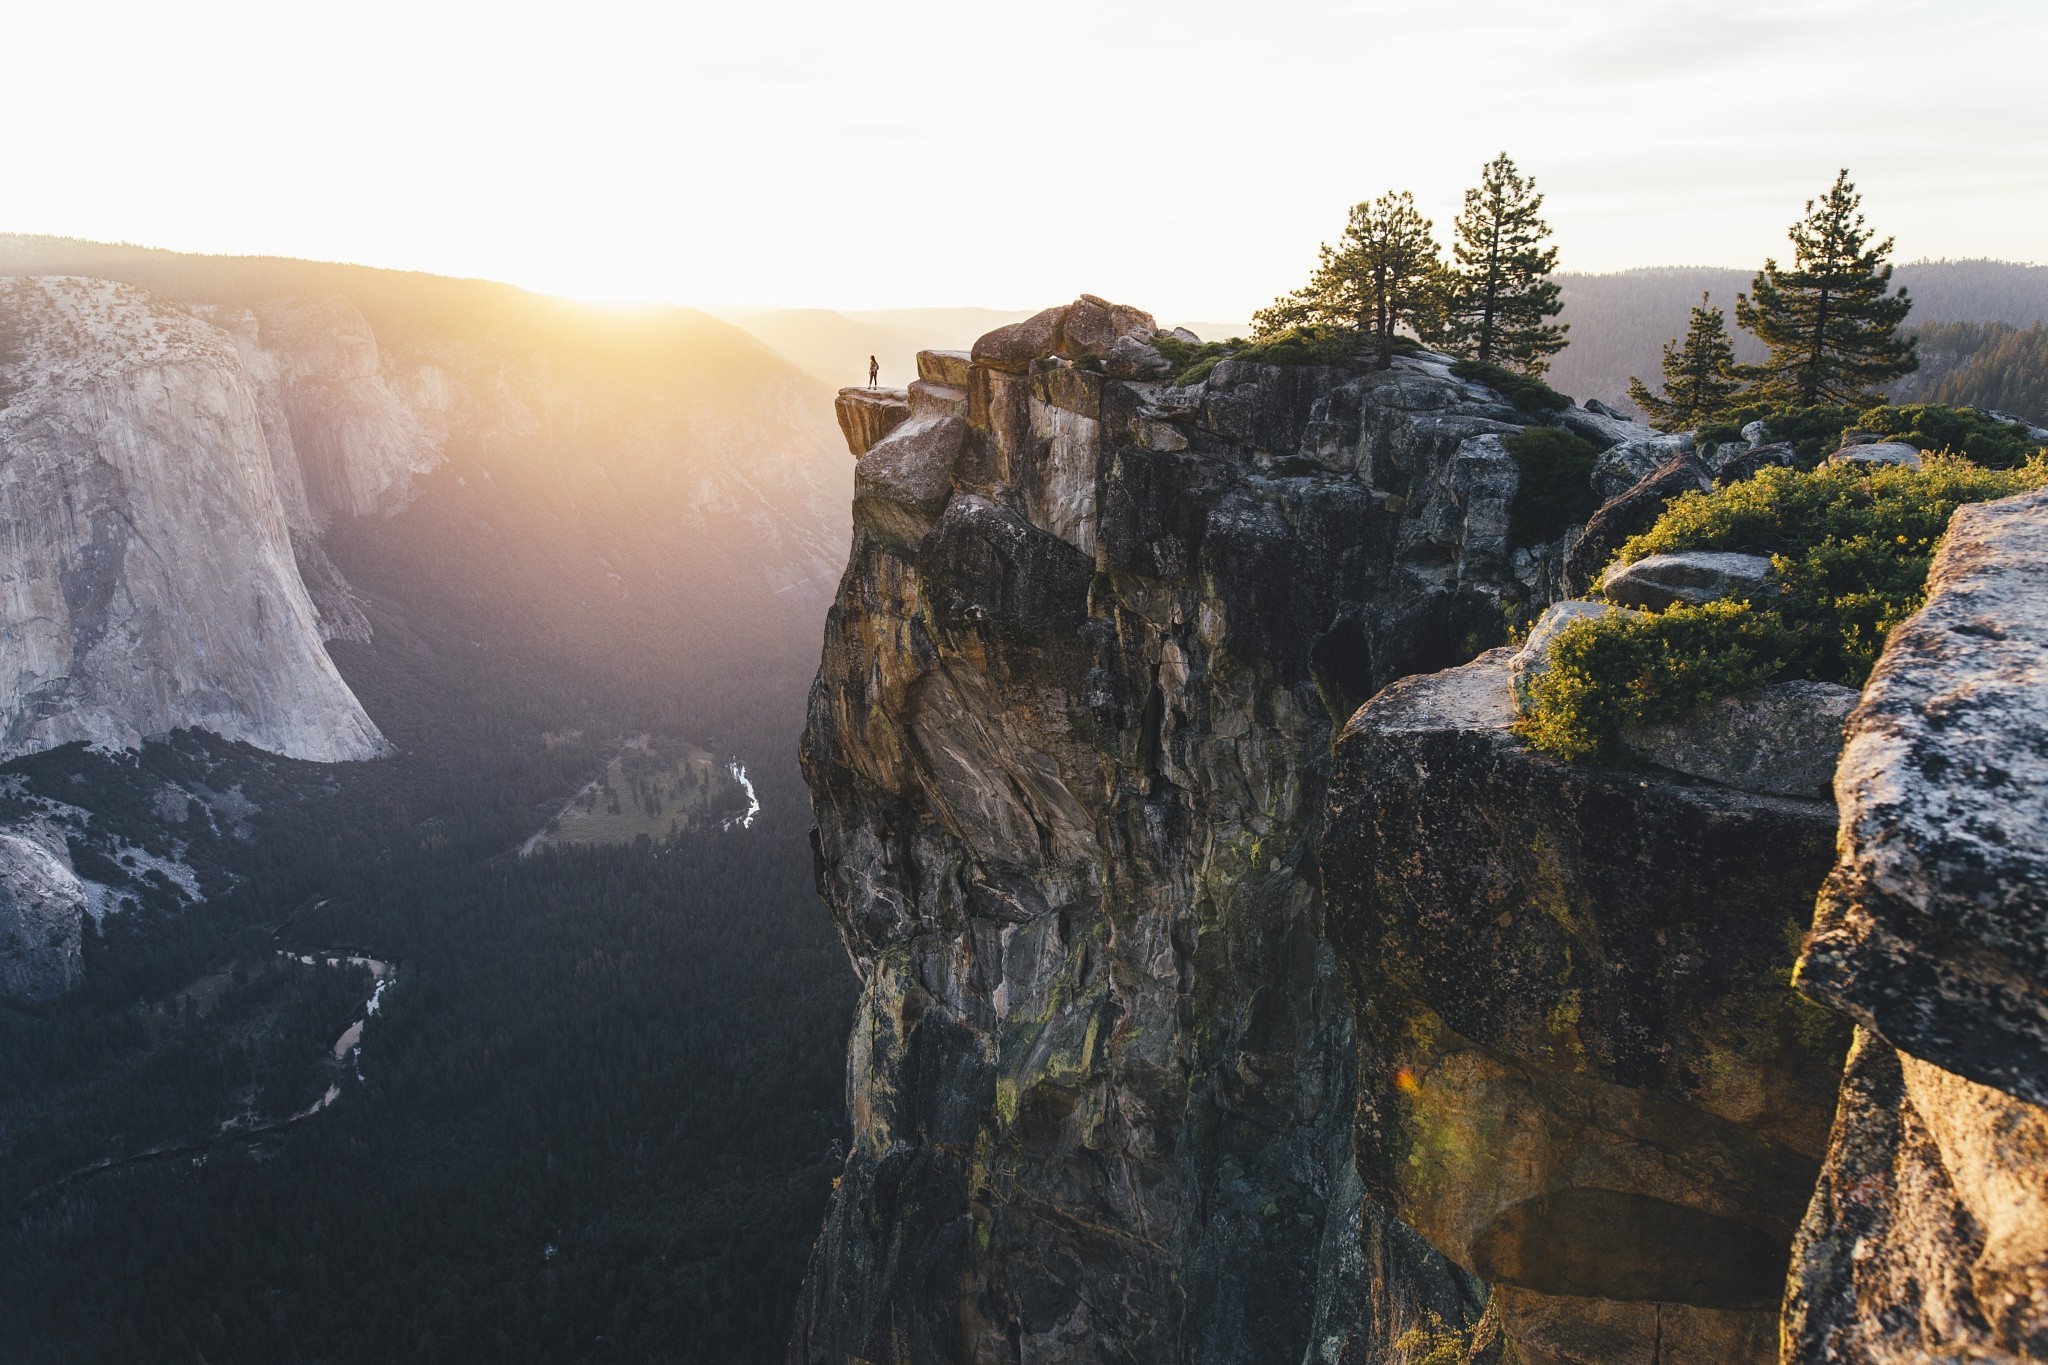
x=1500 y=298
x=1831 y=325
x=1700 y=383
x=1381 y=276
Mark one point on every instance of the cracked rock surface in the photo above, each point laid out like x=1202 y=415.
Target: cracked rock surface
x=1066 y=750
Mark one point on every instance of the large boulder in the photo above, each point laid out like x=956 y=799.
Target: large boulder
x=1928 y=1235
x=1689 y=578
x=1624 y=466
x=1630 y=513
x=1584 y=1076
x=1934 y=928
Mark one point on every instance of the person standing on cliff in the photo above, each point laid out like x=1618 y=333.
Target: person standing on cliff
x=874 y=372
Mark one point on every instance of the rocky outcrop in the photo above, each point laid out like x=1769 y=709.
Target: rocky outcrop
x=1690 y=578
x=868 y=415
x=1066 y=751
x=147 y=574
x=1630 y=513
x=1584 y=1076
x=42 y=909
x=1928 y=1236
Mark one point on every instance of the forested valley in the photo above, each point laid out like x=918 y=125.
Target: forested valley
x=596 y=1112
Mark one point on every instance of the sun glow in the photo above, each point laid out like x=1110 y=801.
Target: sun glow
x=887 y=154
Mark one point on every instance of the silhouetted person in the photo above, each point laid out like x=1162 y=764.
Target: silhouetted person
x=874 y=372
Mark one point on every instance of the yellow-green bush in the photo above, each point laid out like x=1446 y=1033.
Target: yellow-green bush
x=1850 y=547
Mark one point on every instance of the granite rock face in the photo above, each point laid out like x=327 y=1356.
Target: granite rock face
x=1782 y=738
x=42 y=909
x=1584 y=1075
x=1928 y=1236
x=147 y=571
x=1689 y=578
x=1066 y=751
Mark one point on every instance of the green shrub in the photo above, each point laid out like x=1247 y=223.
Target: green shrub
x=1556 y=487
x=1192 y=360
x=1618 y=670
x=1813 y=432
x=1850 y=548
x=1529 y=395
x=1965 y=431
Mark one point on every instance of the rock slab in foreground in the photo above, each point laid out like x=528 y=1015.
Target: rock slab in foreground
x=1928 y=1235
x=1584 y=1076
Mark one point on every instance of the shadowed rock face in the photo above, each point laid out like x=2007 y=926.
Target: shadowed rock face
x=1066 y=750
x=42 y=906
x=1929 y=1231
x=1584 y=1076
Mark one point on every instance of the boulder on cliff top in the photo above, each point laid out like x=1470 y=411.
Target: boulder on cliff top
x=1934 y=929
x=1689 y=578
x=1630 y=513
x=947 y=368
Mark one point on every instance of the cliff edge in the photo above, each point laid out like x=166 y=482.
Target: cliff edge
x=1067 y=750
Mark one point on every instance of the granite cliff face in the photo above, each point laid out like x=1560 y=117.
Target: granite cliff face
x=1067 y=751
x=1584 y=1074
x=147 y=562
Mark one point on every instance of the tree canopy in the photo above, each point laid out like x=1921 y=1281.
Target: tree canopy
x=1498 y=295
x=1830 y=321
x=1700 y=383
x=1382 y=275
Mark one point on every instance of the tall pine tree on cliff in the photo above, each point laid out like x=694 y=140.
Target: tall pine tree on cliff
x=1832 y=327
x=1700 y=383
x=1381 y=276
x=1500 y=296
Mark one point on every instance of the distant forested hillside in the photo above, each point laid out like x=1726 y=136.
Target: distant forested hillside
x=1620 y=322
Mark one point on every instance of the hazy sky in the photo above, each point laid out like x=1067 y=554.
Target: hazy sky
x=1186 y=157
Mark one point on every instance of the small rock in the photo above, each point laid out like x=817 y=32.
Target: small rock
x=1878 y=452
x=1782 y=739
x=1184 y=336
x=1690 y=578
x=1753 y=432
x=1532 y=660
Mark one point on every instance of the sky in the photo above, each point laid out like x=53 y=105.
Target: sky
x=1185 y=157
